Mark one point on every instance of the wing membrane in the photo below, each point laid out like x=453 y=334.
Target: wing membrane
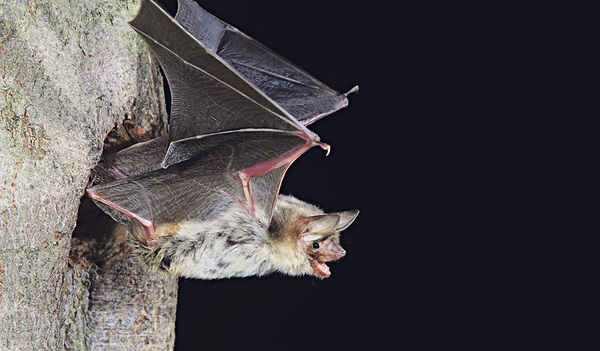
x=208 y=179
x=208 y=96
x=297 y=92
x=237 y=122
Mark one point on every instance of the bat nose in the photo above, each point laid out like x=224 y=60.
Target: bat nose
x=341 y=253
x=333 y=255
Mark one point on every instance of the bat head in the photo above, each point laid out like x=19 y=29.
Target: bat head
x=320 y=239
x=303 y=238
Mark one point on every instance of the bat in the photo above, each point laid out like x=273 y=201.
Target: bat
x=202 y=201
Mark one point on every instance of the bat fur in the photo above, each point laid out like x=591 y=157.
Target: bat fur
x=238 y=245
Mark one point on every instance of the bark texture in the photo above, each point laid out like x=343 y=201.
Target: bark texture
x=71 y=71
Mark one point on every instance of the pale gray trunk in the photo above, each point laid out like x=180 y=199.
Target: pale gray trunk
x=70 y=71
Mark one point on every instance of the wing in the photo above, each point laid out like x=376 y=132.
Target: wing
x=297 y=92
x=230 y=138
x=208 y=95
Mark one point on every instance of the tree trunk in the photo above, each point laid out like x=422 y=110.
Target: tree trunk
x=71 y=71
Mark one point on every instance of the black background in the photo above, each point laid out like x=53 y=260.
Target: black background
x=410 y=279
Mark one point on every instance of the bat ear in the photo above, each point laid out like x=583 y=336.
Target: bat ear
x=346 y=218
x=319 y=226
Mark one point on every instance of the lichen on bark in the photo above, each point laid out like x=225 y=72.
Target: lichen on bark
x=69 y=73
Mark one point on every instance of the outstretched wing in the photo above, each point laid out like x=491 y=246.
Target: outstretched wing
x=294 y=90
x=230 y=138
x=208 y=95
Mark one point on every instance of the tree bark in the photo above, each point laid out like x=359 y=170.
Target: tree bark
x=71 y=71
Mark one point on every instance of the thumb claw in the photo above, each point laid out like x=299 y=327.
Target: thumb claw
x=325 y=147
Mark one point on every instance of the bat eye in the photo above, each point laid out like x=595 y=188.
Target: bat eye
x=316 y=245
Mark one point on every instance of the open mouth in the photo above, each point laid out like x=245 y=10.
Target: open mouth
x=320 y=268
